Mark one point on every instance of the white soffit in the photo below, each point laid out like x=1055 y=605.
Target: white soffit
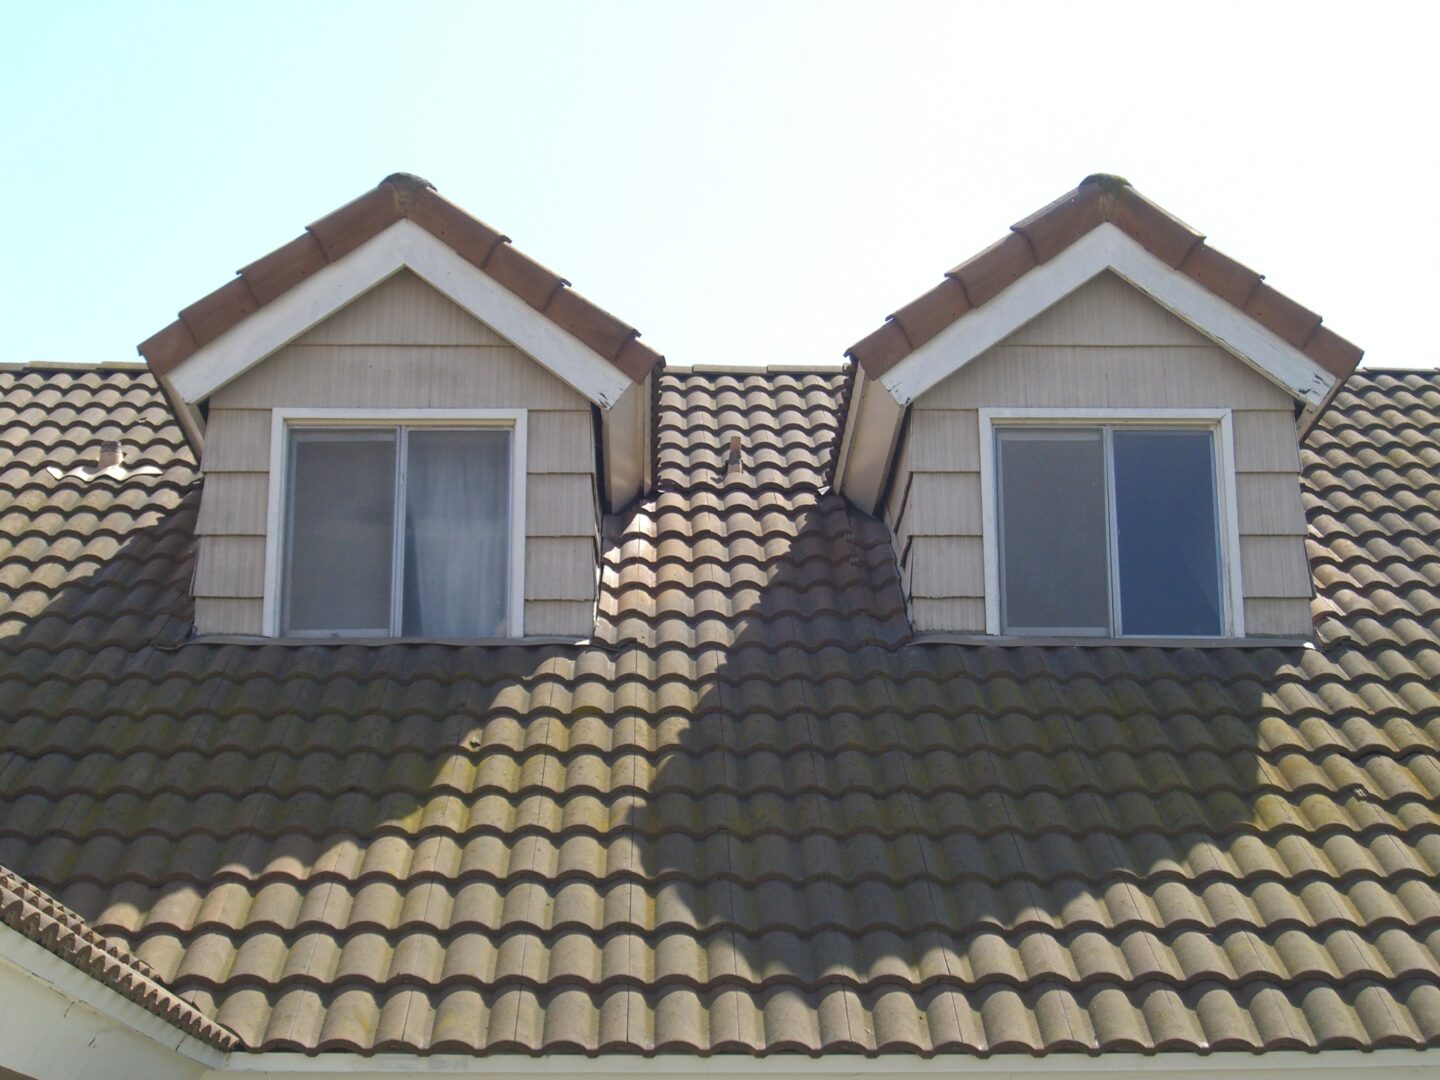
x=403 y=245
x=1107 y=248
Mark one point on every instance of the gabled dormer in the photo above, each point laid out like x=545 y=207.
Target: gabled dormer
x=407 y=429
x=1090 y=432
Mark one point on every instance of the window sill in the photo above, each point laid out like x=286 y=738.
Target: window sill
x=1004 y=641
x=381 y=642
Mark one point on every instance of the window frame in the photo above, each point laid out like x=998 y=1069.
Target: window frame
x=1218 y=421
x=283 y=419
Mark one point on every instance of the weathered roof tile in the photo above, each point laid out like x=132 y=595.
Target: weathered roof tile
x=751 y=818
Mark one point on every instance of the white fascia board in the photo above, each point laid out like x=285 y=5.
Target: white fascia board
x=1107 y=248
x=1276 y=1065
x=868 y=444
x=58 y=1022
x=403 y=245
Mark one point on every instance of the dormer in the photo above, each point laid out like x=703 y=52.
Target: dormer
x=407 y=430
x=1090 y=432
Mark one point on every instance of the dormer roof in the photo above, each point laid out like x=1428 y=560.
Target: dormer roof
x=402 y=223
x=1102 y=200
x=1103 y=225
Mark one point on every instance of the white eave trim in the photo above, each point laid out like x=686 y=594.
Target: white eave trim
x=1107 y=248
x=403 y=245
x=105 y=1018
x=1276 y=1065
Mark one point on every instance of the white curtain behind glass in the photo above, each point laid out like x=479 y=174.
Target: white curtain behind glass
x=457 y=533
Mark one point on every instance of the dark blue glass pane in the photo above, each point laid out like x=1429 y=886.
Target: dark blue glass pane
x=1167 y=533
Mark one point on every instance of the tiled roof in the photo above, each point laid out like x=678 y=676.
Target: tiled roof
x=1049 y=231
x=340 y=232
x=751 y=817
x=28 y=911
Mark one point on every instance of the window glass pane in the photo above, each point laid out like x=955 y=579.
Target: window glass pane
x=1167 y=532
x=1054 y=572
x=341 y=530
x=457 y=532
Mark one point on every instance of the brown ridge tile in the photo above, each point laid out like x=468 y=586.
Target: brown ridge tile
x=1233 y=282
x=597 y=329
x=999 y=265
x=212 y=315
x=1332 y=352
x=1055 y=227
x=637 y=360
x=523 y=276
x=926 y=316
x=472 y=239
x=285 y=267
x=342 y=231
x=164 y=351
x=1163 y=235
x=1279 y=313
x=880 y=351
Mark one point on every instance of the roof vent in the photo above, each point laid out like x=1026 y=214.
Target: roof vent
x=732 y=462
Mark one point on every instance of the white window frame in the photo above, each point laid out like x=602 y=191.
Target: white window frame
x=1228 y=527
x=281 y=420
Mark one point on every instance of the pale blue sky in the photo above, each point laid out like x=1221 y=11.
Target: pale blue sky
x=745 y=182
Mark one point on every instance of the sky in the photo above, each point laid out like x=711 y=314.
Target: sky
x=746 y=183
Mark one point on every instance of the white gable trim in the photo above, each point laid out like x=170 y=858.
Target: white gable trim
x=1107 y=248
x=403 y=245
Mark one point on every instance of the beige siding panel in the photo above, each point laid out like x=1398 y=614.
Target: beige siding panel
x=218 y=616
x=1273 y=616
x=1269 y=504
x=560 y=505
x=234 y=504
x=570 y=618
x=561 y=442
x=232 y=566
x=945 y=440
x=402 y=310
x=399 y=377
x=944 y=504
x=1274 y=566
x=1107 y=311
x=1267 y=442
x=1053 y=376
x=946 y=566
x=958 y=616
x=237 y=440
x=560 y=568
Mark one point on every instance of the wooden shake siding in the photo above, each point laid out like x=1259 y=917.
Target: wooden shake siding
x=402 y=345
x=1104 y=346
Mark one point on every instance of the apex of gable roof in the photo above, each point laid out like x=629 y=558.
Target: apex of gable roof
x=1098 y=199
x=406 y=180
x=399 y=196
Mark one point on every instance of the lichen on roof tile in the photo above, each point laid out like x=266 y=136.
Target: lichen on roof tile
x=750 y=818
